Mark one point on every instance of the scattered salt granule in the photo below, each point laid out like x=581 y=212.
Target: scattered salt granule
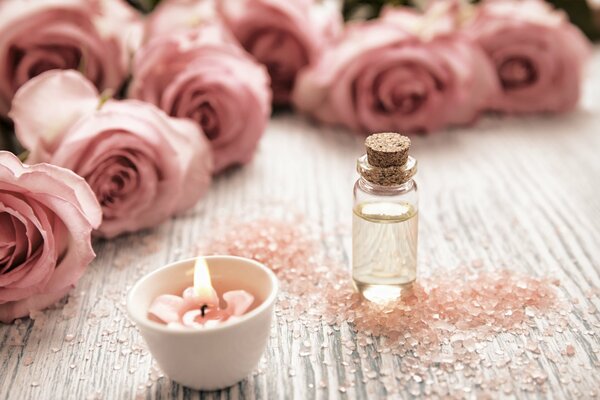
x=72 y=305
x=441 y=324
x=15 y=336
x=39 y=317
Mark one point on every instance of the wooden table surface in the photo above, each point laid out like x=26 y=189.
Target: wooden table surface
x=516 y=192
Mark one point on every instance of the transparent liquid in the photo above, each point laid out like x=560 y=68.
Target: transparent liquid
x=384 y=246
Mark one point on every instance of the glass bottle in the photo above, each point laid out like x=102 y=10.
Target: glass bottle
x=385 y=220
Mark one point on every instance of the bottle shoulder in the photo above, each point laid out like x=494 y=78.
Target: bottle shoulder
x=364 y=192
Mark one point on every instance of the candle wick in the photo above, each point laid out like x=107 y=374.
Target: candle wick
x=203 y=309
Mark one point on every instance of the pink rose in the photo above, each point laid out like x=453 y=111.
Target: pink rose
x=283 y=35
x=47 y=214
x=176 y=16
x=142 y=165
x=204 y=75
x=36 y=36
x=381 y=76
x=538 y=55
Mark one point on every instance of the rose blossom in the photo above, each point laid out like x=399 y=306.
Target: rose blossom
x=206 y=76
x=538 y=55
x=88 y=35
x=283 y=35
x=142 y=165
x=383 y=75
x=175 y=16
x=47 y=214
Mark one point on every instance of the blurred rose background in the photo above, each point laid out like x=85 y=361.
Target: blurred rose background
x=583 y=13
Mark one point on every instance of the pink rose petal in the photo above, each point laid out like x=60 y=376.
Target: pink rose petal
x=40 y=120
x=167 y=308
x=238 y=301
x=189 y=318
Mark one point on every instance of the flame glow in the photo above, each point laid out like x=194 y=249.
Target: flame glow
x=202 y=283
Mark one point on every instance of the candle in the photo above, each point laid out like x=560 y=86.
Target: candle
x=200 y=356
x=199 y=305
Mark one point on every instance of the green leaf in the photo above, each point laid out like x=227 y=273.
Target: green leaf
x=104 y=97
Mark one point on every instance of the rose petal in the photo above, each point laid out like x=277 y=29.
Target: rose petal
x=189 y=318
x=40 y=121
x=238 y=301
x=189 y=295
x=172 y=16
x=36 y=268
x=17 y=309
x=167 y=308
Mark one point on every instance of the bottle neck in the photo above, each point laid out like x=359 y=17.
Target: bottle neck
x=374 y=188
x=386 y=176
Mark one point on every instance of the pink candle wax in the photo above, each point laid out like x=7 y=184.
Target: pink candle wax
x=200 y=306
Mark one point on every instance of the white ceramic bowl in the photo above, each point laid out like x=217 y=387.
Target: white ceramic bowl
x=212 y=358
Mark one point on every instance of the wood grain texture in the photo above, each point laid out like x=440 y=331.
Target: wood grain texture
x=516 y=192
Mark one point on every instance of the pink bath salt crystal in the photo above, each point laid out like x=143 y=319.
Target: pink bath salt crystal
x=238 y=301
x=167 y=308
x=446 y=319
x=570 y=350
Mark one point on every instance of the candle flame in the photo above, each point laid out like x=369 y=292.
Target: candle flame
x=202 y=283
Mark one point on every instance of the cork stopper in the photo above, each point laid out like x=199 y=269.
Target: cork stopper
x=387 y=162
x=387 y=149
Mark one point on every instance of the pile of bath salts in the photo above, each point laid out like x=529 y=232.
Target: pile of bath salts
x=444 y=322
